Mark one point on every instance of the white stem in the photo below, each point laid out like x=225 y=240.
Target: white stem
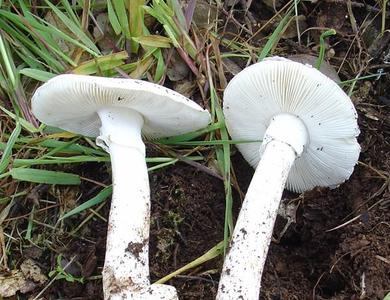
x=126 y=267
x=244 y=262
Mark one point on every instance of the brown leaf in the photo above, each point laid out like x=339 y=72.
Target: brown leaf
x=24 y=280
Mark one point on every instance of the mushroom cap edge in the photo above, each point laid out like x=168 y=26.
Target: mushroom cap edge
x=71 y=102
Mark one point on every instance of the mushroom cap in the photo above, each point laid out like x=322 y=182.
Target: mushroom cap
x=71 y=102
x=279 y=85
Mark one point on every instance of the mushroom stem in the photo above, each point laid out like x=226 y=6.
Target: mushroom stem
x=283 y=142
x=126 y=267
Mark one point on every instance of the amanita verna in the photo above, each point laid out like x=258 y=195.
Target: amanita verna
x=119 y=112
x=308 y=127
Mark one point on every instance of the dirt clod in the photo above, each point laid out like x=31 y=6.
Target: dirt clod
x=135 y=248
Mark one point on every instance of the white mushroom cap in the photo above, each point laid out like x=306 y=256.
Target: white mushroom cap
x=273 y=86
x=71 y=102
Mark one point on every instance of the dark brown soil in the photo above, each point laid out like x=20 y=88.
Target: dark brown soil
x=196 y=201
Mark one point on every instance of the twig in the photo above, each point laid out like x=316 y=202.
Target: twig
x=354 y=27
x=385 y=260
x=3 y=252
x=199 y=166
x=229 y=16
x=382 y=174
x=35 y=212
x=314 y=288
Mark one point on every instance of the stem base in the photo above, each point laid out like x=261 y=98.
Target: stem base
x=151 y=292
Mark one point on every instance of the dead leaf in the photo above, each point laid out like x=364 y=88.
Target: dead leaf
x=13 y=283
x=177 y=68
x=325 y=69
x=4 y=213
x=369 y=113
x=231 y=66
x=3 y=252
x=24 y=280
x=32 y=272
x=185 y=87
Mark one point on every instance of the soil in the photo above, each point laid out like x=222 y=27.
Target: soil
x=337 y=248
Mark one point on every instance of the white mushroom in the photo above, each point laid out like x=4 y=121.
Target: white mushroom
x=117 y=112
x=308 y=127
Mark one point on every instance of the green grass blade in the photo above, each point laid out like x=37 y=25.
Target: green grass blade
x=71 y=12
x=215 y=142
x=165 y=16
x=58 y=160
x=275 y=36
x=176 y=6
x=7 y=63
x=321 y=55
x=136 y=20
x=160 y=67
x=30 y=20
x=44 y=176
x=19 y=162
x=6 y=157
x=120 y=9
x=223 y=159
x=101 y=64
x=29 y=49
x=25 y=124
x=113 y=18
x=99 y=198
x=163 y=165
x=30 y=224
x=156 y=41
x=56 y=146
x=5 y=200
x=75 y=28
x=64 y=147
x=46 y=26
x=59 y=149
x=43 y=42
x=345 y=82
x=37 y=74
x=188 y=136
x=171 y=33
